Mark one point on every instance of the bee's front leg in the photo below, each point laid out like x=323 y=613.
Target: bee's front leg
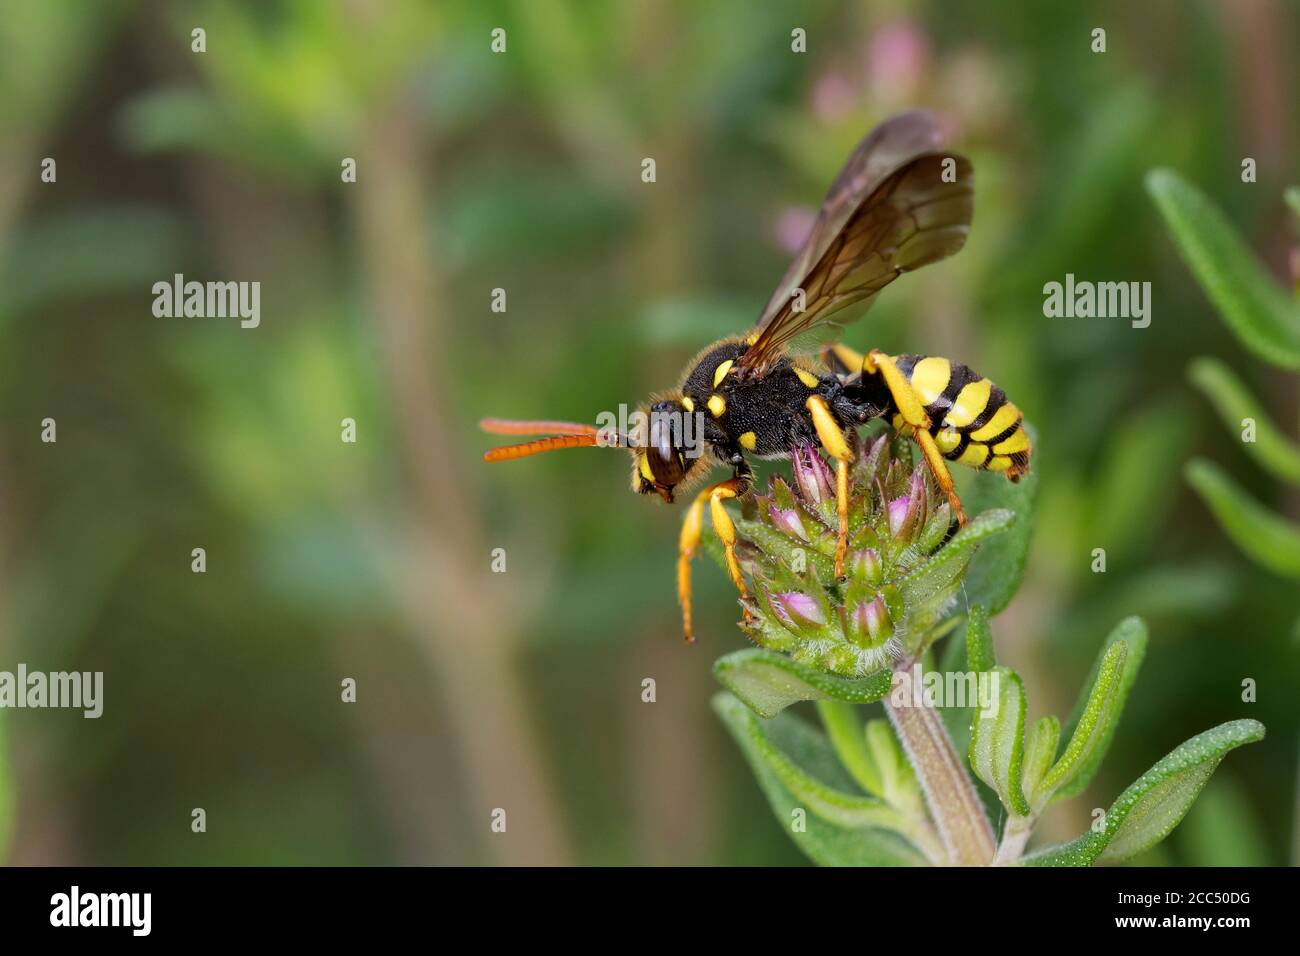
x=692 y=527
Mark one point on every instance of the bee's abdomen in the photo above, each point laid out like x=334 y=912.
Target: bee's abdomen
x=971 y=419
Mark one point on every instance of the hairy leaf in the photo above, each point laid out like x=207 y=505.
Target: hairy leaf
x=1234 y=403
x=1153 y=804
x=1252 y=304
x=1132 y=632
x=997 y=741
x=769 y=682
x=1040 y=752
x=999 y=566
x=848 y=737
x=979 y=640
x=1087 y=736
x=927 y=585
x=1266 y=538
x=824 y=842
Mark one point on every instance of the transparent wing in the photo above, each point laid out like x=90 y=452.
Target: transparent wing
x=896 y=206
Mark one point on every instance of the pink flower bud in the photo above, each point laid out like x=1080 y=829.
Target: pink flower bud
x=812 y=476
x=797 y=612
x=898 y=512
x=869 y=623
x=788 y=521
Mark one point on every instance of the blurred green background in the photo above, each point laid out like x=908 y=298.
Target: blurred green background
x=521 y=171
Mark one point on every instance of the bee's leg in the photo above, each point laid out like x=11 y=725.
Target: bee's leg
x=689 y=542
x=842 y=360
x=913 y=413
x=832 y=438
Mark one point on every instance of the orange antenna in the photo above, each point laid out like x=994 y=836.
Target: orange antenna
x=510 y=426
x=563 y=435
x=540 y=445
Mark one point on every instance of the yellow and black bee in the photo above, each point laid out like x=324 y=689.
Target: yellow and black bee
x=901 y=202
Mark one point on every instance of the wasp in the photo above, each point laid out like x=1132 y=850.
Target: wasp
x=900 y=202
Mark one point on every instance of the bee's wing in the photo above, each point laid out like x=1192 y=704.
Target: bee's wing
x=889 y=211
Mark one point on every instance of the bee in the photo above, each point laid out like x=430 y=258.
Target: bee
x=901 y=202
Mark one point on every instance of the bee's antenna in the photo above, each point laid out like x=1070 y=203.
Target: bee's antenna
x=563 y=435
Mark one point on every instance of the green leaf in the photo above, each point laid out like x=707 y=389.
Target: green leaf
x=1271 y=448
x=1129 y=493
x=777 y=767
x=999 y=566
x=925 y=590
x=769 y=682
x=1087 y=734
x=1251 y=303
x=997 y=742
x=1266 y=538
x=91 y=254
x=979 y=640
x=850 y=742
x=956 y=720
x=897 y=778
x=1131 y=632
x=776 y=545
x=1154 y=804
x=1040 y=751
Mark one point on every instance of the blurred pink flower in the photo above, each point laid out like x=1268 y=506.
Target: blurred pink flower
x=833 y=97
x=792 y=227
x=898 y=59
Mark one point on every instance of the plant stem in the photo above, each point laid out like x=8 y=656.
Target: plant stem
x=953 y=802
x=921 y=832
x=1014 y=838
x=442 y=586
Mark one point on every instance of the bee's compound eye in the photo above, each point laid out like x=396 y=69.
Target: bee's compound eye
x=664 y=456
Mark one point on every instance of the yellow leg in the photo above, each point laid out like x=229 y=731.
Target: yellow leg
x=832 y=438
x=939 y=468
x=842 y=513
x=689 y=543
x=840 y=354
x=913 y=412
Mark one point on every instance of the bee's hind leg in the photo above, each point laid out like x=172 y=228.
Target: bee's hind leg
x=689 y=542
x=841 y=359
x=833 y=439
x=913 y=413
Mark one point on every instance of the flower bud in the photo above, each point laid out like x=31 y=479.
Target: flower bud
x=850 y=624
x=797 y=612
x=869 y=623
x=865 y=566
x=893 y=599
x=812 y=476
x=787 y=520
x=899 y=509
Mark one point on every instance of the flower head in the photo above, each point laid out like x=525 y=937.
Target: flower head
x=886 y=602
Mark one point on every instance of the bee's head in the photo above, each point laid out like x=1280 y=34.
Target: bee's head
x=666 y=443
x=661 y=461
